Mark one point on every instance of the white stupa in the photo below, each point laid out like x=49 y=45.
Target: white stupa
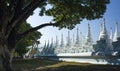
x=103 y=32
x=117 y=34
x=80 y=45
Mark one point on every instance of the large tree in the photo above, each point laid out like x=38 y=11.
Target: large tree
x=65 y=13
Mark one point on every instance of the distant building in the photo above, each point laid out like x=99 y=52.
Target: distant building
x=107 y=44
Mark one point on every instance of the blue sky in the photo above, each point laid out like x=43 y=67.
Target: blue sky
x=111 y=16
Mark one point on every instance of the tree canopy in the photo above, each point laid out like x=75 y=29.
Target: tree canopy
x=66 y=13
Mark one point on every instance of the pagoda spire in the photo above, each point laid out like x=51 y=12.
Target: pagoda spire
x=56 y=44
x=104 y=27
x=48 y=44
x=88 y=37
x=111 y=34
x=100 y=30
x=45 y=44
x=77 y=38
x=52 y=40
x=111 y=39
x=62 y=42
x=44 y=48
x=51 y=45
x=116 y=34
x=68 y=39
x=103 y=32
x=101 y=27
x=81 y=38
x=47 y=48
x=77 y=35
x=73 y=38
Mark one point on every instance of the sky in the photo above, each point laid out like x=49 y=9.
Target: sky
x=111 y=15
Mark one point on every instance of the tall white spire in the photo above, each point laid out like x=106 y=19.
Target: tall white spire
x=51 y=45
x=110 y=39
x=52 y=40
x=56 y=43
x=44 y=48
x=62 y=42
x=103 y=32
x=116 y=35
x=111 y=34
x=77 y=35
x=73 y=38
x=68 y=39
x=48 y=44
x=88 y=37
x=100 y=30
x=101 y=27
x=104 y=27
x=45 y=44
x=81 y=39
x=77 y=38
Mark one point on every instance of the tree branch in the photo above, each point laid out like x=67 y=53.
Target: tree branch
x=26 y=12
x=12 y=4
x=37 y=27
x=15 y=10
x=3 y=16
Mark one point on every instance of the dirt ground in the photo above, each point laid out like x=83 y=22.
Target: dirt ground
x=50 y=65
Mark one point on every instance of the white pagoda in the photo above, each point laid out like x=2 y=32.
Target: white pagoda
x=80 y=45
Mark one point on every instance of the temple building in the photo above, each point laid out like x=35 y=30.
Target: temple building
x=107 y=44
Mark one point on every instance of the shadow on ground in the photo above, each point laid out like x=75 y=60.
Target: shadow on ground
x=31 y=64
x=82 y=68
x=48 y=65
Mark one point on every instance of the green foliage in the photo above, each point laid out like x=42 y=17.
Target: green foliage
x=28 y=40
x=68 y=13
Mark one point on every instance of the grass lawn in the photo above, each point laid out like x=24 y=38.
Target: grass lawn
x=49 y=65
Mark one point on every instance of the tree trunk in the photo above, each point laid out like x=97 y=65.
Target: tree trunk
x=11 y=55
x=5 y=56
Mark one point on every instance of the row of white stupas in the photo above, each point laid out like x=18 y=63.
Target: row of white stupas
x=80 y=45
